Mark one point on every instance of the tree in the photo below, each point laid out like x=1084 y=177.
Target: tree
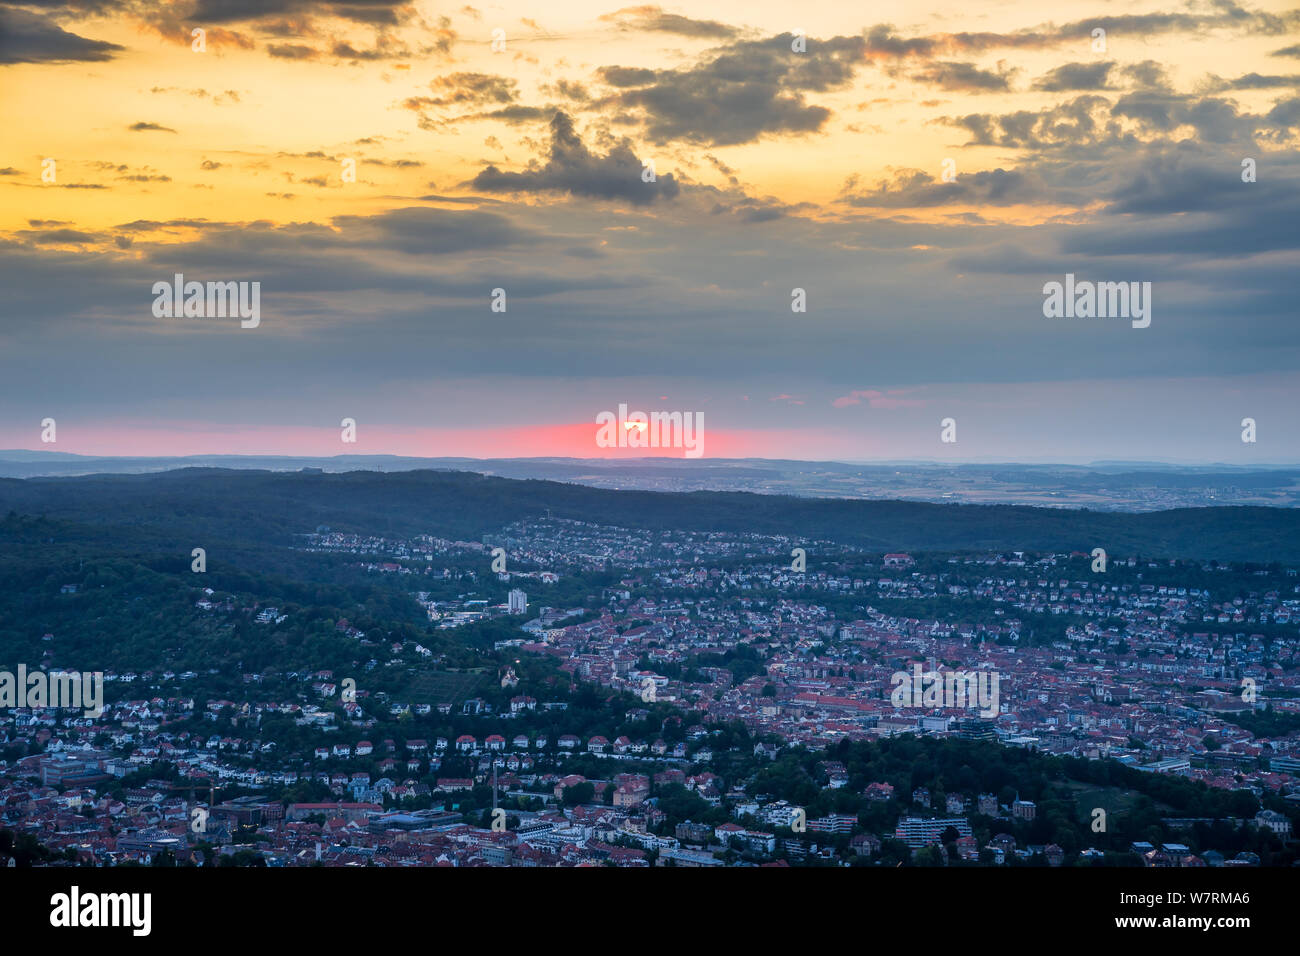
x=579 y=793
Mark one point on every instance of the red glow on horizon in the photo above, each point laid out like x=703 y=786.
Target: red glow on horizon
x=567 y=440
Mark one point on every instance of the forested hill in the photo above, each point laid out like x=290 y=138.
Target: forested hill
x=239 y=504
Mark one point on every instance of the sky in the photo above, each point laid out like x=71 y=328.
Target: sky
x=648 y=187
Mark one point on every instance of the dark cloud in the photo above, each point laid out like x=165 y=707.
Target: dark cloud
x=27 y=37
x=569 y=91
x=626 y=75
x=292 y=51
x=883 y=42
x=143 y=127
x=295 y=19
x=739 y=93
x=475 y=89
x=1071 y=77
x=59 y=236
x=421 y=231
x=998 y=187
x=1251 y=81
x=1215 y=120
x=515 y=115
x=1083 y=120
x=1148 y=75
x=1188 y=178
x=231 y=11
x=373 y=14
x=965 y=77
x=572 y=168
x=1091 y=120
x=1285 y=114
x=652 y=18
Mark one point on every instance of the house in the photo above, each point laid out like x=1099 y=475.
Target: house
x=1277 y=822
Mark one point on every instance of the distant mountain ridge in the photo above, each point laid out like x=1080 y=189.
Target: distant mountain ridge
x=184 y=504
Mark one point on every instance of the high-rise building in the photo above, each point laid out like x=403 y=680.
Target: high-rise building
x=916 y=832
x=518 y=602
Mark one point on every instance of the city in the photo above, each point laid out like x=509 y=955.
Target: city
x=705 y=662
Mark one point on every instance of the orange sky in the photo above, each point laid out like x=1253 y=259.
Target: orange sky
x=782 y=164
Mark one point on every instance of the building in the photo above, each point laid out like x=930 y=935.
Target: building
x=916 y=832
x=689 y=832
x=1024 y=810
x=838 y=823
x=518 y=602
x=1277 y=822
x=681 y=857
x=144 y=845
x=1289 y=765
x=360 y=812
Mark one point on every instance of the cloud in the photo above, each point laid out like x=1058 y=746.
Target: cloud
x=1076 y=76
x=59 y=236
x=292 y=51
x=1144 y=115
x=1215 y=120
x=472 y=88
x=1084 y=120
x=997 y=187
x=878 y=399
x=965 y=77
x=572 y=168
x=419 y=231
x=653 y=18
x=143 y=127
x=1250 y=81
x=740 y=92
x=27 y=37
x=232 y=11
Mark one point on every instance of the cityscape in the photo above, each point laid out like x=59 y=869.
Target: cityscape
x=853 y=443
x=689 y=699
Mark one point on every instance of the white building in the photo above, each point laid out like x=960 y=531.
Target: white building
x=518 y=602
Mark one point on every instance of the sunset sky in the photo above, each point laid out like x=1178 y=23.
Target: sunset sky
x=521 y=169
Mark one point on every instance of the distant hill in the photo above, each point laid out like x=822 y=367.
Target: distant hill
x=272 y=506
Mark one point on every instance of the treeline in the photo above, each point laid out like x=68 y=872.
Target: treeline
x=217 y=504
